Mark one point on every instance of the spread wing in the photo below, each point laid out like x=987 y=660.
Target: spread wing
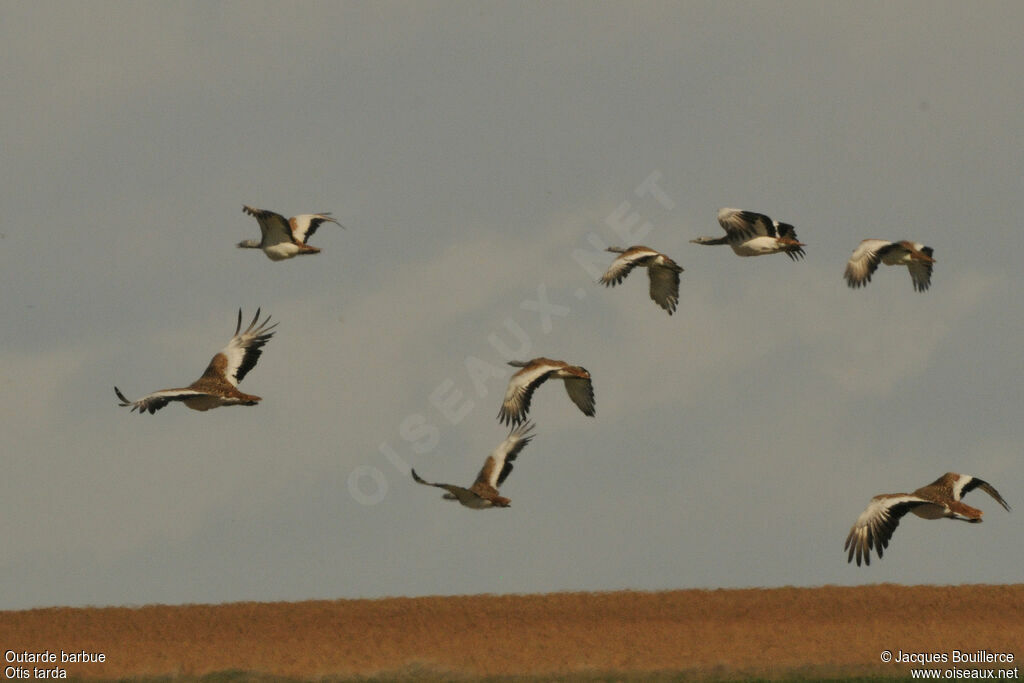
x=244 y=349
x=665 y=283
x=304 y=225
x=273 y=226
x=626 y=262
x=520 y=390
x=784 y=230
x=877 y=523
x=158 y=399
x=581 y=391
x=921 y=271
x=459 y=493
x=864 y=261
x=739 y=224
x=787 y=230
x=967 y=483
x=499 y=463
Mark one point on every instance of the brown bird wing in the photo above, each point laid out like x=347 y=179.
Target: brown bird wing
x=581 y=391
x=877 y=523
x=976 y=483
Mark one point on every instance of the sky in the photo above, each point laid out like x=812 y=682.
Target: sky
x=480 y=155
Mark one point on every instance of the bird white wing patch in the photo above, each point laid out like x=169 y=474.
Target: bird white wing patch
x=745 y=224
x=877 y=523
x=304 y=225
x=499 y=463
x=244 y=349
x=625 y=263
x=864 y=262
x=967 y=483
x=520 y=390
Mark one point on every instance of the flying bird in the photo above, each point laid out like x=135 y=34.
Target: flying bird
x=754 y=234
x=534 y=373
x=869 y=253
x=284 y=238
x=219 y=384
x=662 y=271
x=941 y=498
x=483 y=493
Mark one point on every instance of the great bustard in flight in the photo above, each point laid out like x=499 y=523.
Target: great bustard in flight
x=284 y=238
x=483 y=493
x=534 y=373
x=869 y=253
x=754 y=234
x=941 y=498
x=662 y=271
x=219 y=384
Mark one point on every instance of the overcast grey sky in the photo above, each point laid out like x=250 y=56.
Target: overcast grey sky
x=472 y=149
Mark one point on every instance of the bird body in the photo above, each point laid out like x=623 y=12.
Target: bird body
x=522 y=384
x=870 y=252
x=749 y=233
x=662 y=272
x=483 y=494
x=940 y=499
x=218 y=385
x=284 y=238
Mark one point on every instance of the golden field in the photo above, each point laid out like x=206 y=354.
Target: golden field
x=720 y=634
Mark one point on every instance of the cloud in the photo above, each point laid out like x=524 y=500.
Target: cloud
x=877 y=343
x=33 y=386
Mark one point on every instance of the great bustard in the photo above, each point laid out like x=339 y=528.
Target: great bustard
x=754 y=234
x=534 y=373
x=662 y=271
x=483 y=493
x=939 y=499
x=869 y=253
x=219 y=384
x=284 y=238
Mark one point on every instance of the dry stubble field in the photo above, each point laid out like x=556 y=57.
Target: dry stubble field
x=720 y=634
